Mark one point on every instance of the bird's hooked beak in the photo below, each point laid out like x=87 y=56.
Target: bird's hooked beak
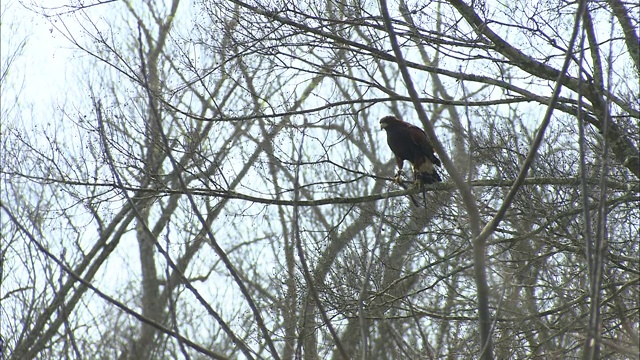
x=383 y=125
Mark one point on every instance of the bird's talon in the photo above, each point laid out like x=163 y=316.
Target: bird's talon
x=398 y=178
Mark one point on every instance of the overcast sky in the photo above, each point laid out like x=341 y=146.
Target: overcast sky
x=42 y=74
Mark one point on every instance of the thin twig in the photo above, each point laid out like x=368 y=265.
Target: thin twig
x=305 y=268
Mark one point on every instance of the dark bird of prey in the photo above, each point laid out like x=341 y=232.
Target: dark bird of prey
x=409 y=142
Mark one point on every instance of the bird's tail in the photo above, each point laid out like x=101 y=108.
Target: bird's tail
x=430 y=177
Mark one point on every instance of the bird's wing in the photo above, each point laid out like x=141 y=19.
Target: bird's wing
x=419 y=137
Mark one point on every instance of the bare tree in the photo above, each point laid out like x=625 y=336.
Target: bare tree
x=222 y=189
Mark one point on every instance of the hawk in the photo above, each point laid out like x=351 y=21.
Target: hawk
x=409 y=142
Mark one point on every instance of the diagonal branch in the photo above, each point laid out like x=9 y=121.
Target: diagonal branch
x=468 y=198
x=630 y=37
x=87 y=284
x=533 y=151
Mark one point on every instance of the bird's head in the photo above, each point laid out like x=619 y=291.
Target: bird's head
x=388 y=121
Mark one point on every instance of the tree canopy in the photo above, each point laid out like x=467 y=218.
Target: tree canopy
x=215 y=183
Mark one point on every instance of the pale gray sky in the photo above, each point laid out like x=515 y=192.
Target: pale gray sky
x=42 y=75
